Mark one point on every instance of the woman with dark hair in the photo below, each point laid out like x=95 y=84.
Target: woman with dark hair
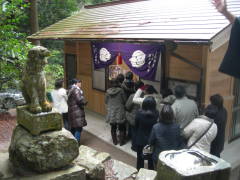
x=220 y=120
x=128 y=84
x=144 y=121
x=120 y=78
x=115 y=100
x=76 y=113
x=165 y=135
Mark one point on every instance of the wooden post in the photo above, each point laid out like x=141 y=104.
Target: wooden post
x=34 y=20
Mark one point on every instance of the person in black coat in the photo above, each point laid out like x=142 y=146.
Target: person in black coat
x=165 y=135
x=230 y=63
x=221 y=118
x=128 y=84
x=144 y=121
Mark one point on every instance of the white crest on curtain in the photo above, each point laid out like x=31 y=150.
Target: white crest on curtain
x=138 y=58
x=104 y=55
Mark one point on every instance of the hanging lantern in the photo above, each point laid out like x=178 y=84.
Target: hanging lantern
x=119 y=59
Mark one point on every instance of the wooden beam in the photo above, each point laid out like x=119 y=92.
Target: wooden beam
x=221 y=38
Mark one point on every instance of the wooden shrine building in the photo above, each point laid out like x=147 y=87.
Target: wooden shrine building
x=193 y=36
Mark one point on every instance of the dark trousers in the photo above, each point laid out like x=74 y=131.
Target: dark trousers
x=65 y=121
x=77 y=133
x=215 y=152
x=140 y=160
x=133 y=137
x=122 y=133
x=120 y=127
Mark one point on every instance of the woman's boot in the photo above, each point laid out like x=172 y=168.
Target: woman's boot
x=114 y=136
x=122 y=137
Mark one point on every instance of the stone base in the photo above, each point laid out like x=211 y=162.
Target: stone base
x=37 y=123
x=191 y=165
x=46 y=152
x=115 y=169
x=5 y=171
x=92 y=161
x=71 y=173
x=144 y=174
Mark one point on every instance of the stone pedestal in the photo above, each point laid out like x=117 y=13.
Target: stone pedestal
x=46 y=152
x=92 y=161
x=115 y=169
x=191 y=165
x=73 y=172
x=144 y=174
x=37 y=123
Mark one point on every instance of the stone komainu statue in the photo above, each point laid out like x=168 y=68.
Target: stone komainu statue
x=34 y=81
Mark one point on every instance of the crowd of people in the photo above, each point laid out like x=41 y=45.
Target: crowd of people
x=137 y=112
x=166 y=122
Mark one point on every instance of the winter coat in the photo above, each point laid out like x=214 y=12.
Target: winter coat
x=131 y=110
x=185 y=110
x=164 y=137
x=218 y=143
x=196 y=128
x=230 y=64
x=128 y=87
x=144 y=122
x=115 y=100
x=59 y=97
x=76 y=103
x=137 y=99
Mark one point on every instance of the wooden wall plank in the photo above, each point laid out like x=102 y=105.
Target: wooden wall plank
x=178 y=69
x=70 y=47
x=84 y=58
x=94 y=97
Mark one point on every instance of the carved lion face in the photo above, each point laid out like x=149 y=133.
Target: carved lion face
x=39 y=53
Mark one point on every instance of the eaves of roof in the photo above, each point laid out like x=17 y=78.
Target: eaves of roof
x=183 y=21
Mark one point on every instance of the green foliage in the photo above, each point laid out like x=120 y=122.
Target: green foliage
x=14 y=28
x=93 y=2
x=51 y=11
x=53 y=72
x=56 y=57
x=13 y=44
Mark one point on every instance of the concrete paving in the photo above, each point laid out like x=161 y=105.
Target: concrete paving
x=98 y=127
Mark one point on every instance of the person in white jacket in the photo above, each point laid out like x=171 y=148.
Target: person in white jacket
x=148 y=90
x=198 y=127
x=59 y=97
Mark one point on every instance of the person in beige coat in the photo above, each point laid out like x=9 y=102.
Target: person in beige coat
x=199 y=127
